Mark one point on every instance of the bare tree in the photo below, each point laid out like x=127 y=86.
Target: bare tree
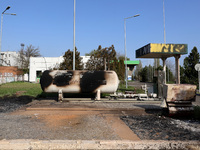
x=170 y=72
x=24 y=56
x=171 y=66
x=138 y=70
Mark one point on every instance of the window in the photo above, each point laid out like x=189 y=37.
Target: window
x=39 y=74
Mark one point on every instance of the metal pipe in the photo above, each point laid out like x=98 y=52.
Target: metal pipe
x=10 y=14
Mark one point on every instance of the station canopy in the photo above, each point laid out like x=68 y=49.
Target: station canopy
x=153 y=50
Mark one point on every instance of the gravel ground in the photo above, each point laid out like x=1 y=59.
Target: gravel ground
x=27 y=127
x=156 y=127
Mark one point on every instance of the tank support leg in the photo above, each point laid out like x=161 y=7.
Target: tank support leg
x=60 y=95
x=98 y=95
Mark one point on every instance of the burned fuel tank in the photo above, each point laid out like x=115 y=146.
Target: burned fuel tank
x=79 y=81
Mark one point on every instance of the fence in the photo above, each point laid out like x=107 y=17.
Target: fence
x=9 y=77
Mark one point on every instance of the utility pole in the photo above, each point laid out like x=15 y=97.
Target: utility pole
x=74 y=35
x=2 y=28
x=126 y=74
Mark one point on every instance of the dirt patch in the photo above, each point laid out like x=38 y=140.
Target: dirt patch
x=19 y=93
x=121 y=128
x=56 y=121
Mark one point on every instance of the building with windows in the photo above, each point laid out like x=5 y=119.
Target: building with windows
x=37 y=64
x=9 y=58
x=40 y=64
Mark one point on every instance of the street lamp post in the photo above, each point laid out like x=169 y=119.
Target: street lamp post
x=74 y=36
x=125 y=44
x=164 y=64
x=2 y=26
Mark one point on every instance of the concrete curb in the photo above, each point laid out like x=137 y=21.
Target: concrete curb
x=96 y=144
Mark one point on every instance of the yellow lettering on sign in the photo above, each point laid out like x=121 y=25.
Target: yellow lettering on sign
x=168 y=48
x=179 y=48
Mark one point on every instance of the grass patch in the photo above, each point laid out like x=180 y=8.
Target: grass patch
x=122 y=88
x=20 y=88
x=34 y=90
x=170 y=82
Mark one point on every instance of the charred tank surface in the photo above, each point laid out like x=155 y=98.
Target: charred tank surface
x=178 y=98
x=79 y=81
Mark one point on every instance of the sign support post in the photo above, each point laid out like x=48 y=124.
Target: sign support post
x=199 y=80
x=197 y=68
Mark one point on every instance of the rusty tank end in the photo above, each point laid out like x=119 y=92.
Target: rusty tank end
x=79 y=81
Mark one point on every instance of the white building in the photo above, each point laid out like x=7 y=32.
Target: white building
x=37 y=64
x=40 y=64
x=84 y=60
x=9 y=58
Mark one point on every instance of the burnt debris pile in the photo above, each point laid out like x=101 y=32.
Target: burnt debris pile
x=153 y=127
x=9 y=104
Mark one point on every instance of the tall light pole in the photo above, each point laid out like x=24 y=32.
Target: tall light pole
x=2 y=26
x=164 y=60
x=164 y=21
x=125 y=44
x=74 y=35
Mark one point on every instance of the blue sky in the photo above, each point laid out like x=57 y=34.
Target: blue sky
x=48 y=24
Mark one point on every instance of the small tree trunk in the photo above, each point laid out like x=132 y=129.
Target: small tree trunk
x=104 y=64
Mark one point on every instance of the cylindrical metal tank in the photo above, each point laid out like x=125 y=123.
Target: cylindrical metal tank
x=79 y=81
